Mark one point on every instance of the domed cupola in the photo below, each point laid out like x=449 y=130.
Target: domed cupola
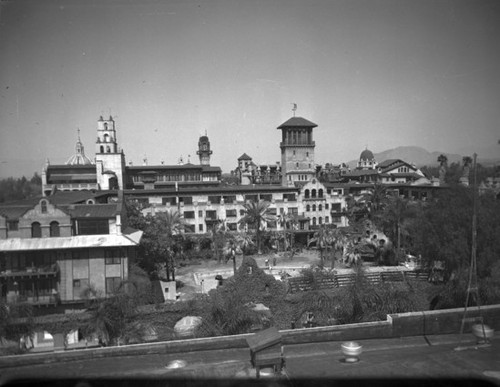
x=79 y=157
x=367 y=160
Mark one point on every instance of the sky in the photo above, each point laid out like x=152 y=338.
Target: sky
x=370 y=73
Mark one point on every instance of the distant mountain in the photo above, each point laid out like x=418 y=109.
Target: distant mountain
x=414 y=155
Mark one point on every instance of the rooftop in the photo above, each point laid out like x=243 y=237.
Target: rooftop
x=297 y=122
x=415 y=360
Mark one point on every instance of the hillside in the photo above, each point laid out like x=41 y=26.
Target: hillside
x=419 y=156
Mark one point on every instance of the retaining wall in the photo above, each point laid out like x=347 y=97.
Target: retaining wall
x=397 y=325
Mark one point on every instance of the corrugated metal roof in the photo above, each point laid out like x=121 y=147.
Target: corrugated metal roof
x=74 y=242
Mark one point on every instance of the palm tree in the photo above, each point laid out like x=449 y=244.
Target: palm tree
x=219 y=239
x=288 y=222
x=257 y=215
x=171 y=227
x=324 y=240
x=377 y=197
x=395 y=219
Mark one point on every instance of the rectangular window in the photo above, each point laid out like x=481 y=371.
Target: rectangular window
x=211 y=215
x=112 y=284
x=112 y=256
x=200 y=227
x=293 y=211
x=187 y=199
x=273 y=211
x=266 y=197
x=336 y=207
x=336 y=218
x=93 y=226
x=326 y=206
x=168 y=200
x=13 y=225
x=214 y=199
x=231 y=214
x=200 y=214
x=232 y=226
x=327 y=219
x=188 y=214
x=290 y=197
x=229 y=199
x=189 y=228
x=253 y=198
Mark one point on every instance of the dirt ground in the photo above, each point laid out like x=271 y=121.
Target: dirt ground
x=190 y=275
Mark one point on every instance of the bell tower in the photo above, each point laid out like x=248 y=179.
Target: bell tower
x=297 y=151
x=110 y=160
x=204 y=151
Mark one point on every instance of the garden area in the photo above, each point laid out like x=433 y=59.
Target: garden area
x=257 y=292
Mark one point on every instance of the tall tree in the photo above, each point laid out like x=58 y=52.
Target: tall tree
x=324 y=239
x=257 y=215
x=395 y=219
x=443 y=166
x=161 y=241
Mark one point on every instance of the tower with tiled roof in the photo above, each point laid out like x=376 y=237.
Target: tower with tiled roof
x=297 y=151
x=110 y=160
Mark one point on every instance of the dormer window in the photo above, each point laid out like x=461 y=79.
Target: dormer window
x=43 y=206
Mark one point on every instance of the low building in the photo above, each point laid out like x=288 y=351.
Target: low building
x=53 y=249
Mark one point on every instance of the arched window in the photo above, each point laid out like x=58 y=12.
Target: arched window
x=43 y=206
x=320 y=220
x=54 y=229
x=306 y=194
x=313 y=193
x=314 y=221
x=320 y=193
x=106 y=125
x=314 y=207
x=102 y=149
x=327 y=219
x=320 y=207
x=308 y=208
x=36 y=230
x=108 y=149
x=106 y=137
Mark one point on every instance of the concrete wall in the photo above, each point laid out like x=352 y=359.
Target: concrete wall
x=396 y=325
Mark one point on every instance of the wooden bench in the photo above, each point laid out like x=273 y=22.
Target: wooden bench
x=266 y=350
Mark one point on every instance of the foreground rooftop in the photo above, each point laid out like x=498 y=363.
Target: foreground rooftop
x=419 y=359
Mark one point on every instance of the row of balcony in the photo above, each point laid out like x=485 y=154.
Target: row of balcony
x=73 y=186
x=31 y=271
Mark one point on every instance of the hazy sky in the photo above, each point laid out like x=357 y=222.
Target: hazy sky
x=374 y=73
